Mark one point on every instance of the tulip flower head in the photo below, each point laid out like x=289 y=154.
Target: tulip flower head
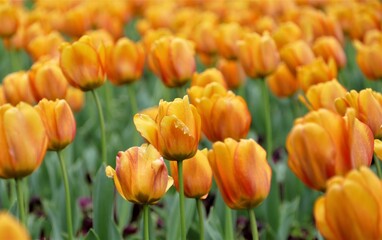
x=232 y=71
x=283 y=82
x=208 y=76
x=17 y=89
x=9 y=20
x=11 y=228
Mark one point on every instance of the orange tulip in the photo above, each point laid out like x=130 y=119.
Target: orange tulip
x=340 y=207
x=322 y=144
x=77 y=20
x=11 y=228
x=83 y=64
x=241 y=171
x=140 y=175
x=287 y=32
x=47 y=80
x=329 y=47
x=204 y=39
x=364 y=18
x=17 y=89
x=197 y=175
x=283 y=83
x=75 y=98
x=9 y=20
x=2 y=96
x=208 y=76
x=176 y=130
x=378 y=148
x=296 y=54
x=369 y=59
x=59 y=123
x=258 y=55
x=125 y=61
x=226 y=36
x=20 y=156
x=323 y=95
x=373 y=36
x=173 y=60
x=367 y=105
x=152 y=35
x=232 y=71
x=45 y=45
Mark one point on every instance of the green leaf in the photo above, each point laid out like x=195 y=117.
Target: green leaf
x=92 y=235
x=287 y=216
x=213 y=228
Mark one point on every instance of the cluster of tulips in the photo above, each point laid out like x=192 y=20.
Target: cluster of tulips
x=210 y=52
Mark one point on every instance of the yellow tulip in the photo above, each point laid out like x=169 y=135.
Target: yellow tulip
x=17 y=89
x=232 y=71
x=75 y=98
x=208 y=76
x=286 y=33
x=283 y=83
x=11 y=228
x=296 y=54
x=329 y=47
x=9 y=20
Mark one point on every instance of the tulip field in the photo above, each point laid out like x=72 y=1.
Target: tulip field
x=190 y=119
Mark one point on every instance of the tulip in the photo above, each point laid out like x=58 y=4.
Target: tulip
x=287 y=32
x=283 y=83
x=340 y=207
x=20 y=156
x=329 y=47
x=241 y=171
x=363 y=19
x=17 y=89
x=77 y=20
x=75 y=98
x=45 y=45
x=208 y=76
x=296 y=54
x=232 y=71
x=264 y=24
x=322 y=144
x=323 y=95
x=125 y=61
x=258 y=55
x=369 y=59
x=82 y=64
x=204 y=39
x=197 y=175
x=373 y=36
x=2 y=96
x=226 y=36
x=152 y=35
x=378 y=148
x=9 y=20
x=100 y=37
x=140 y=175
x=176 y=130
x=10 y=228
x=173 y=60
x=59 y=123
x=367 y=105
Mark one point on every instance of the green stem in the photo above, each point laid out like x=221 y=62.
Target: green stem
x=146 y=216
x=252 y=219
x=228 y=224
x=133 y=108
x=67 y=195
x=267 y=116
x=181 y=201
x=199 y=205
x=180 y=92
x=378 y=165
x=20 y=201
x=102 y=123
x=15 y=66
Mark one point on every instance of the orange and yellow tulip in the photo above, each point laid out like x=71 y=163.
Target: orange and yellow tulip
x=75 y=98
x=197 y=175
x=378 y=148
x=208 y=76
x=20 y=156
x=140 y=175
x=329 y=47
x=226 y=37
x=17 y=89
x=45 y=45
x=296 y=54
x=59 y=123
x=322 y=144
x=203 y=37
x=286 y=33
x=11 y=228
x=340 y=207
x=232 y=71
x=241 y=171
x=369 y=59
x=283 y=83
x=77 y=20
x=176 y=130
x=9 y=20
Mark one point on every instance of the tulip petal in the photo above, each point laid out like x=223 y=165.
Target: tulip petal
x=147 y=127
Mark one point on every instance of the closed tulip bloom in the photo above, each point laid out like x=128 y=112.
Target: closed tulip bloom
x=83 y=64
x=322 y=144
x=59 y=123
x=20 y=156
x=241 y=171
x=316 y=72
x=11 y=228
x=232 y=71
x=196 y=92
x=204 y=38
x=152 y=35
x=258 y=54
x=75 y=98
x=208 y=76
x=373 y=36
x=369 y=59
x=17 y=89
x=77 y=20
x=286 y=33
x=173 y=60
x=329 y=47
x=323 y=95
x=362 y=20
x=45 y=45
x=9 y=20
x=197 y=175
x=282 y=82
x=378 y=148
x=2 y=96
x=367 y=105
x=47 y=80
x=140 y=175
x=296 y=54
x=339 y=214
x=226 y=37
x=176 y=130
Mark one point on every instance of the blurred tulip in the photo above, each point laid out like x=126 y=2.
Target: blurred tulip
x=367 y=105
x=83 y=64
x=241 y=172
x=265 y=24
x=226 y=36
x=296 y=54
x=47 y=80
x=363 y=19
x=2 y=96
x=203 y=37
x=77 y=20
x=369 y=59
x=197 y=175
x=125 y=61
x=17 y=89
x=152 y=35
x=283 y=83
x=75 y=98
x=9 y=20
x=287 y=32
x=59 y=123
x=208 y=76
x=340 y=207
x=11 y=228
x=378 y=148
x=373 y=36
x=23 y=140
x=100 y=37
x=176 y=130
x=140 y=175
x=258 y=55
x=329 y=47
x=316 y=72
x=232 y=71
x=45 y=45
x=173 y=60
x=323 y=95
x=322 y=144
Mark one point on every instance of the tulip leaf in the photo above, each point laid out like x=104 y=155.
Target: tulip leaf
x=92 y=235
x=212 y=226
x=287 y=216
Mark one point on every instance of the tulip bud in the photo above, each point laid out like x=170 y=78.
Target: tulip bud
x=226 y=36
x=296 y=54
x=17 y=89
x=75 y=98
x=9 y=20
x=369 y=59
x=208 y=76
x=11 y=228
x=286 y=33
x=45 y=45
x=329 y=47
x=283 y=83
x=232 y=71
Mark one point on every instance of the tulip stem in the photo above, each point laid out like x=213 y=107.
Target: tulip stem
x=133 y=107
x=67 y=195
x=267 y=116
x=228 y=224
x=102 y=123
x=378 y=165
x=199 y=205
x=146 y=216
x=181 y=201
x=20 y=201
x=252 y=219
